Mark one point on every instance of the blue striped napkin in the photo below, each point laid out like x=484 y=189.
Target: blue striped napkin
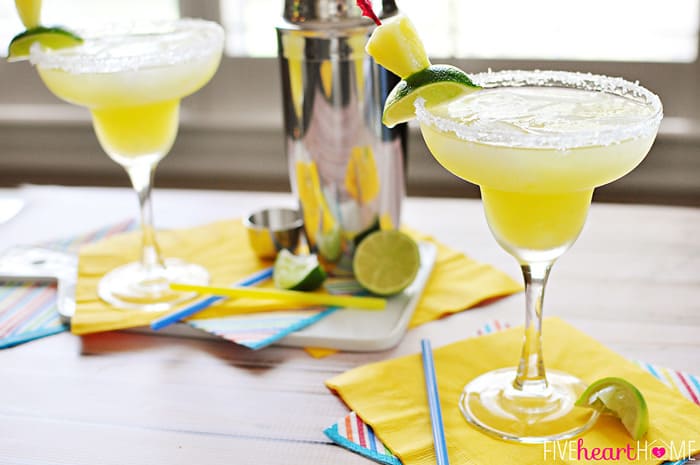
x=28 y=309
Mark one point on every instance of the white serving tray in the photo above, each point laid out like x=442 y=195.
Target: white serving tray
x=366 y=330
x=346 y=329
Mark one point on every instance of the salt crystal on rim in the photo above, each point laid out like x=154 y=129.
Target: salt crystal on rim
x=584 y=138
x=134 y=46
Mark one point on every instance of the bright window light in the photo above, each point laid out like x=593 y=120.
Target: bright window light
x=77 y=14
x=600 y=30
x=597 y=30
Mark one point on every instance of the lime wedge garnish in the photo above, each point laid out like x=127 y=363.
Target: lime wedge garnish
x=49 y=37
x=618 y=397
x=436 y=84
x=396 y=46
x=298 y=272
x=386 y=262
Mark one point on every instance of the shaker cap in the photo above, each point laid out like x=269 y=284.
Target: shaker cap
x=321 y=13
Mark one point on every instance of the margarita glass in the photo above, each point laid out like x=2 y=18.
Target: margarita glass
x=537 y=143
x=132 y=78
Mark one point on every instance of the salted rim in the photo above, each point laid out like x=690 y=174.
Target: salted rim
x=203 y=44
x=575 y=80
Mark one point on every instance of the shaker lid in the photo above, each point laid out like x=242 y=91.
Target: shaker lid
x=322 y=13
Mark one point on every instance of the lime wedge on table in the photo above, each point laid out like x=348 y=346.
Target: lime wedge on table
x=298 y=272
x=49 y=37
x=436 y=84
x=618 y=397
x=386 y=262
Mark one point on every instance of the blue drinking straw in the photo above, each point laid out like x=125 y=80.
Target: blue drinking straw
x=178 y=315
x=434 y=404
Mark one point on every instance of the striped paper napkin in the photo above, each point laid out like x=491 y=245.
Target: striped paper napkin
x=28 y=309
x=260 y=330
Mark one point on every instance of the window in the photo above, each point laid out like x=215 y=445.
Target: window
x=596 y=30
x=240 y=110
x=600 y=30
x=600 y=35
x=637 y=39
x=247 y=24
x=77 y=14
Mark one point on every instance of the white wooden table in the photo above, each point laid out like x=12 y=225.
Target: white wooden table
x=632 y=281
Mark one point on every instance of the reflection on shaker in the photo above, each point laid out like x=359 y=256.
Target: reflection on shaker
x=361 y=177
x=321 y=226
x=294 y=46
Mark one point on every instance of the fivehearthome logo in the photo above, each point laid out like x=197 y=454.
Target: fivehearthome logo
x=576 y=449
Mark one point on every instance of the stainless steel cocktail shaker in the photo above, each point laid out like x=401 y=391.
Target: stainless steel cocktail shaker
x=346 y=168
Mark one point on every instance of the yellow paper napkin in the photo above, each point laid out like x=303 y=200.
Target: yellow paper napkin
x=456 y=282
x=390 y=397
x=221 y=247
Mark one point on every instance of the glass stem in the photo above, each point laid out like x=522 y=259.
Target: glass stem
x=531 y=377
x=141 y=175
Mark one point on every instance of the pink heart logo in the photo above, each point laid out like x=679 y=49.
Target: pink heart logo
x=658 y=452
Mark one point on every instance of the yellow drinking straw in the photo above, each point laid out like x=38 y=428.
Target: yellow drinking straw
x=295 y=297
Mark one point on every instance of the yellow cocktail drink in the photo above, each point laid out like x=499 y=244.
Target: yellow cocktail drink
x=134 y=109
x=537 y=143
x=132 y=78
x=539 y=157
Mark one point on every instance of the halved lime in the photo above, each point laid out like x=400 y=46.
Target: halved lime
x=618 y=397
x=298 y=272
x=386 y=262
x=49 y=37
x=436 y=84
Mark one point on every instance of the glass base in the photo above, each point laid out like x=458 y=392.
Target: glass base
x=133 y=287
x=492 y=404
